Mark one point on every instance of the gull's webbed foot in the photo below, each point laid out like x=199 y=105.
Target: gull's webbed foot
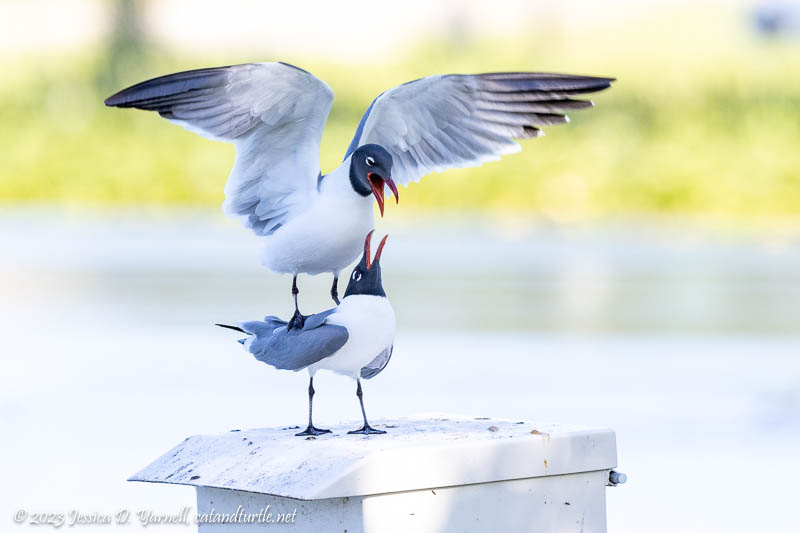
x=366 y=430
x=313 y=431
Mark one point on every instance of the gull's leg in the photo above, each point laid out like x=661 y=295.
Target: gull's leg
x=335 y=288
x=297 y=320
x=311 y=430
x=366 y=429
x=295 y=292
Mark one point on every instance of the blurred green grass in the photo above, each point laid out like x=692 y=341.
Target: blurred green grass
x=704 y=120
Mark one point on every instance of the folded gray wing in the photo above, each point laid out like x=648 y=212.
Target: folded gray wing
x=375 y=366
x=271 y=343
x=451 y=121
x=273 y=113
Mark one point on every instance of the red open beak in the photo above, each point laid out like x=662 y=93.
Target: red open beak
x=377 y=182
x=378 y=253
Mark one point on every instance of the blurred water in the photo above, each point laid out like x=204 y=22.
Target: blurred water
x=686 y=343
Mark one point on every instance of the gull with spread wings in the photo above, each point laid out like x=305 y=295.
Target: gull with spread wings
x=275 y=113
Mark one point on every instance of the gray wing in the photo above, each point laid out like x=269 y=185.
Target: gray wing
x=455 y=120
x=375 y=366
x=271 y=343
x=273 y=113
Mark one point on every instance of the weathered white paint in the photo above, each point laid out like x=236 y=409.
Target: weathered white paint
x=427 y=474
x=563 y=504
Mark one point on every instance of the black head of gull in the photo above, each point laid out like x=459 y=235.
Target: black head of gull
x=370 y=170
x=366 y=276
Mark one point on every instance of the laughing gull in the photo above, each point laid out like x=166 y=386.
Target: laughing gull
x=274 y=114
x=355 y=338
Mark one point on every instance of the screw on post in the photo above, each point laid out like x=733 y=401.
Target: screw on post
x=616 y=478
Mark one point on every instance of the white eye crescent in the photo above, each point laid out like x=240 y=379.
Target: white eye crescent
x=370 y=161
x=356 y=275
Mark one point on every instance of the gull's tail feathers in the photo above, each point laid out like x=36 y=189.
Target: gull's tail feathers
x=234 y=328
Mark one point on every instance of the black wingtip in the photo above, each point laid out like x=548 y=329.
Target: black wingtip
x=169 y=88
x=117 y=99
x=608 y=81
x=235 y=328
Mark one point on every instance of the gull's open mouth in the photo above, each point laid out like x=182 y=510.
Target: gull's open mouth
x=377 y=182
x=377 y=254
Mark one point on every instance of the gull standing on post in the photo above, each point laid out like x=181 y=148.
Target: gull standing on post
x=355 y=338
x=275 y=113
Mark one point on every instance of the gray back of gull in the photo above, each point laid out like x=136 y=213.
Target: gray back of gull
x=298 y=348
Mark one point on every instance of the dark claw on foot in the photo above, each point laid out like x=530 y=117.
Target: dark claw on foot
x=366 y=430
x=311 y=430
x=297 y=321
